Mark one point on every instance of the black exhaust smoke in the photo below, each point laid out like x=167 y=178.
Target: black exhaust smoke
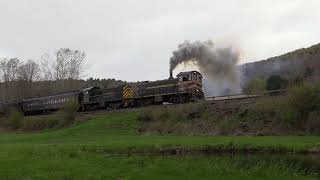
x=218 y=65
x=171 y=75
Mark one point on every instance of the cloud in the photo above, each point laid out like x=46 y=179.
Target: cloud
x=133 y=40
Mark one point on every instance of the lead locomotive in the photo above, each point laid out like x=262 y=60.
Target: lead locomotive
x=186 y=87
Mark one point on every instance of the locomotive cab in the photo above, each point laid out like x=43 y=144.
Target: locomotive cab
x=89 y=92
x=191 y=84
x=190 y=76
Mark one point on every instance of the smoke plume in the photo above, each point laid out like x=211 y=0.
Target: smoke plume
x=217 y=65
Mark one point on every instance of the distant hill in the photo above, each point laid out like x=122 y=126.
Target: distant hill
x=299 y=63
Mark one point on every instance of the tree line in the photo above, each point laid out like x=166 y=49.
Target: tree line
x=51 y=74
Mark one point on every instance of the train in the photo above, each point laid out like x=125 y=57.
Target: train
x=186 y=87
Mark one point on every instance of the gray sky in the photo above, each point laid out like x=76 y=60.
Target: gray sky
x=133 y=40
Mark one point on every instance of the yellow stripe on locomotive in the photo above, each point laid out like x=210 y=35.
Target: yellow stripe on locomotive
x=127 y=95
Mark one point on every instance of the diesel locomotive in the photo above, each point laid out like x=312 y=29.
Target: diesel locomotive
x=186 y=87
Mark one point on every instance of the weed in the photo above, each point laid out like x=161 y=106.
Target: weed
x=14 y=118
x=68 y=114
x=294 y=108
x=40 y=122
x=312 y=125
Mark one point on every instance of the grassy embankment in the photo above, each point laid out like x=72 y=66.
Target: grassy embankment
x=117 y=132
x=297 y=112
x=79 y=152
x=89 y=150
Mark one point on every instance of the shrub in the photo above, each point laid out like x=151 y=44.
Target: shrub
x=41 y=122
x=64 y=117
x=183 y=112
x=313 y=122
x=275 y=82
x=14 y=118
x=293 y=108
x=160 y=114
x=227 y=125
x=304 y=99
x=255 y=86
x=144 y=115
x=267 y=105
x=68 y=114
x=192 y=118
x=308 y=72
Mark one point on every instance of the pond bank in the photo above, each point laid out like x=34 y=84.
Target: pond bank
x=201 y=149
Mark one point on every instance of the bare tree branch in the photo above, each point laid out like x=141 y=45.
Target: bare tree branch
x=69 y=64
x=29 y=71
x=9 y=68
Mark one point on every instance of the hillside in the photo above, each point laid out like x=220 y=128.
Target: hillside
x=299 y=63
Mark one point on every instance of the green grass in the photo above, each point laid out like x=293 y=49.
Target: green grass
x=80 y=152
x=118 y=131
x=83 y=165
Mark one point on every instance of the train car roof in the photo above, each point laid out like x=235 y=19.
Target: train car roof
x=90 y=88
x=117 y=88
x=158 y=82
x=166 y=81
x=187 y=73
x=43 y=97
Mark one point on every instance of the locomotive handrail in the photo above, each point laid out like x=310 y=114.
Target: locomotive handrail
x=243 y=96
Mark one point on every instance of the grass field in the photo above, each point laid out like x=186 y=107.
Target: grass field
x=94 y=150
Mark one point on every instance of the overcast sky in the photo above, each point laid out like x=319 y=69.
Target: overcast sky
x=133 y=40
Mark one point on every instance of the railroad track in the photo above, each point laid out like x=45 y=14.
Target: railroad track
x=208 y=99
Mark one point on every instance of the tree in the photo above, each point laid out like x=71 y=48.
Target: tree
x=9 y=69
x=308 y=72
x=47 y=67
x=275 y=82
x=53 y=74
x=29 y=71
x=69 y=64
x=255 y=86
x=67 y=68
